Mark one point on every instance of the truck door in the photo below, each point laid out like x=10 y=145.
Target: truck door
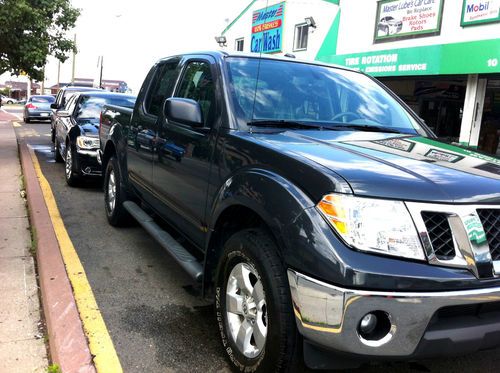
x=141 y=136
x=184 y=153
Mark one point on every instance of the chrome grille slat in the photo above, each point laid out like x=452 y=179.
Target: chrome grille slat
x=440 y=234
x=490 y=219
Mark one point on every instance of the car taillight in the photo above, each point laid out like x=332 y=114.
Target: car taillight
x=31 y=106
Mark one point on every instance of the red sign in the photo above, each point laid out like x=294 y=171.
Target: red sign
x=266 y=26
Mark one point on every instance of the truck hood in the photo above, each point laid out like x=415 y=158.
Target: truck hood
x=397 y=166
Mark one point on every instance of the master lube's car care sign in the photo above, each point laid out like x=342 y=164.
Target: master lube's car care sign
x=267 y=29
x=475 y=11
x=404 y=18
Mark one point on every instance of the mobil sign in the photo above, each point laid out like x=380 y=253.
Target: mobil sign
x=267 y=29
x=480 y=11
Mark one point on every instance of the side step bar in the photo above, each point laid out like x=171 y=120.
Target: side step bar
x=174 y=248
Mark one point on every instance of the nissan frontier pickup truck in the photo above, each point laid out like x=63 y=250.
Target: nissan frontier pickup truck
x=322 y=216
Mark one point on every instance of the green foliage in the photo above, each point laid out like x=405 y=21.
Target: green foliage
x=5 y=91
x=54 y=368
x=31 y=30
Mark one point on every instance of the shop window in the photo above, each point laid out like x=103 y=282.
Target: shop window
x=239 y=45
x=301 y=36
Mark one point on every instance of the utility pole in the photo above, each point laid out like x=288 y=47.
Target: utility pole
x=58 y=73
x=100 y=73
x=74 y=63
x=43 y=81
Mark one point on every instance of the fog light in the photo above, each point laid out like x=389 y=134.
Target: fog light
x=368 y=323
x=87 y=170
x=376 y=329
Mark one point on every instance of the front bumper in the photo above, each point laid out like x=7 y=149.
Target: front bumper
x=329 y=316
x=87 y=164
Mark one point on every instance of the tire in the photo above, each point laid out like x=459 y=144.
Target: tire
x=57 y=152
x=70 y=172
x=115 y=212
x=264 y=310
x=10 y=102
x=26 y=120
x=52 y=135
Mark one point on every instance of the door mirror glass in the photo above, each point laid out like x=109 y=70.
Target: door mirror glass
x=54 y=106
x=185 y=111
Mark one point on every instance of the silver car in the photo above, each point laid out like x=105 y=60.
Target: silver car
x=38 y=107
x=8 y=100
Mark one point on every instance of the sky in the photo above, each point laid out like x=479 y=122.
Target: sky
x=132 y=35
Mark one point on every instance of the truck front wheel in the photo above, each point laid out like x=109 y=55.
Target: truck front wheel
x=253 y=304
x=114 y=195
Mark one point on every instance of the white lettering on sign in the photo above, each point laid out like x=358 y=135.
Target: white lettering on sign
x=413 y=67
x=381 y=58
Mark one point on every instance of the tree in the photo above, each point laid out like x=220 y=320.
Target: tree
x=31 y=30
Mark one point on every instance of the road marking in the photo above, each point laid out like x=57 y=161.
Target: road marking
x=100 y=343
x=16 y=124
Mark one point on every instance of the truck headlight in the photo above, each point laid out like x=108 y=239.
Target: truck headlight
x=85 y=142
x=375 y=225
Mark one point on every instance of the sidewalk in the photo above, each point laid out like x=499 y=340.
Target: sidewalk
x=22 y=346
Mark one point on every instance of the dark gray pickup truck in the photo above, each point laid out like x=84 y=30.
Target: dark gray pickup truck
x=323 y=217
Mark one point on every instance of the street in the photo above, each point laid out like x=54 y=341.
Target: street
x=154 y=314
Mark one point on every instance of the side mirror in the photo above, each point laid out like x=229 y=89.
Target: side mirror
x=63 y=114
x=54 y=106
x=185 y=111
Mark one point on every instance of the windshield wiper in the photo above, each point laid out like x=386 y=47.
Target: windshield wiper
x=366 y=127
x=282 y=123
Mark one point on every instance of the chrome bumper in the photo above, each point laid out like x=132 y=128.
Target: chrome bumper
x=329 y=315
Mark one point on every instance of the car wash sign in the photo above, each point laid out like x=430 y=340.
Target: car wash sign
x=480 y=11
x=397 y=19
x=267 y=29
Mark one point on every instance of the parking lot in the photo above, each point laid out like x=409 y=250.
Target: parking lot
x=154 y=314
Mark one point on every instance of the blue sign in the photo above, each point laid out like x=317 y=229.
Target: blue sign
x=267 y=29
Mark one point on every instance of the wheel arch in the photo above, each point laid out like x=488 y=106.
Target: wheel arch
x=252 y=198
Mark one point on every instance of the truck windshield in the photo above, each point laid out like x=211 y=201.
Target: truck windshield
x=300 y=92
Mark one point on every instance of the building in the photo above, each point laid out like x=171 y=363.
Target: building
x=441 y=57
x=109 y=85
x=19 y=90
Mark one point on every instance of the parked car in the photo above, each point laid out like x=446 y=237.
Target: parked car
x=38 y=107
x=8 y=100
x=321 y=214
x=76 y=127
x=389 y=25
x=62 y=97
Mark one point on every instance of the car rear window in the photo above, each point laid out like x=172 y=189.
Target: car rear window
x=43 y=99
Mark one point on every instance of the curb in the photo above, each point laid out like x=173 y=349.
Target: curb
x=68 y=345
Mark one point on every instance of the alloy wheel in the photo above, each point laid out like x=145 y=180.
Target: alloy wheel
x=246 y=310
x=111 y=190
x=69 y=163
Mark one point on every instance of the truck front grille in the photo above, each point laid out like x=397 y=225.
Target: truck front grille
x=491 y=225
x=440 y=234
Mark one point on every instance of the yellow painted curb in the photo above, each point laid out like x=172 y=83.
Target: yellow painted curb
x=100 y=343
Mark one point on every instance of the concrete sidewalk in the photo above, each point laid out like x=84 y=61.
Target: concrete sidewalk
x=22 y=346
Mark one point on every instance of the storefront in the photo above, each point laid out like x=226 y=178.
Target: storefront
x=442 y=57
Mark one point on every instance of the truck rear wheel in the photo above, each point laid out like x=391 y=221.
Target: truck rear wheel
x=114 y=195
x=253 y=304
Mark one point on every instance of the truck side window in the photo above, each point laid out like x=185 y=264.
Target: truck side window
x=197 y=84
x=159 y=90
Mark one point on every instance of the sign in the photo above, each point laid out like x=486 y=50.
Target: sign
x=407 y=18
x=476 y=11
x=267 y=29
x=475 y=57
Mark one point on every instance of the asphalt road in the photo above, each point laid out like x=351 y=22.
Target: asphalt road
x=156 y=319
